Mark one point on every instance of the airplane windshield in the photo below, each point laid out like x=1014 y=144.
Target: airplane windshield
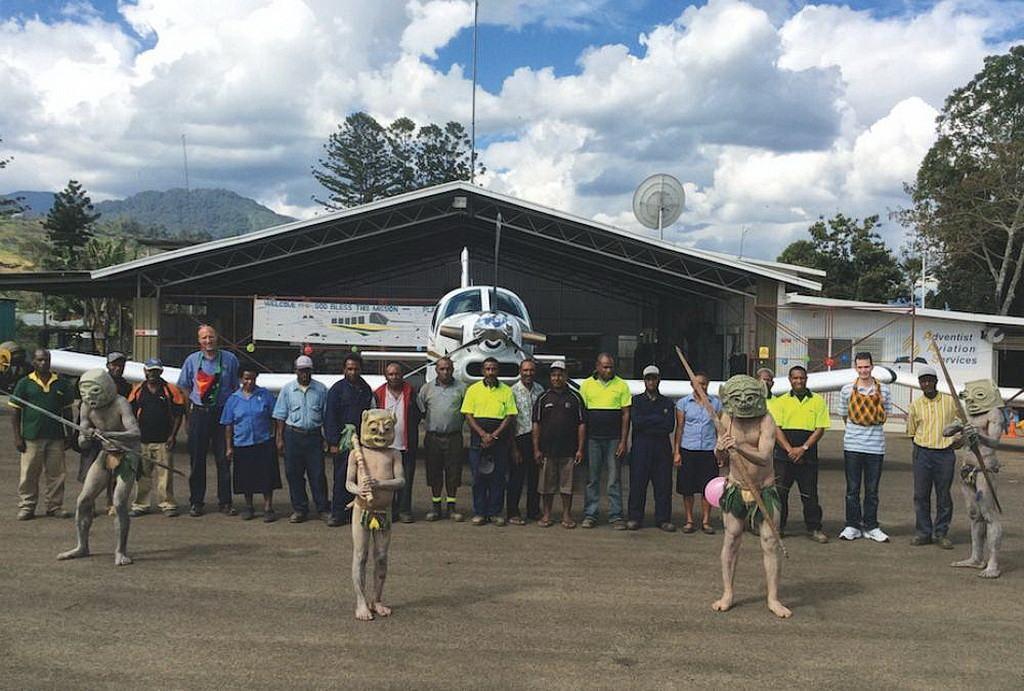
x=468 y=301
x=511 y=304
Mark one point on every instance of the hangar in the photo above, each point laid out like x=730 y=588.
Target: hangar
x=588 y=286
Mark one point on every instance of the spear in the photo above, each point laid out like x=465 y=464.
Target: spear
x=962 y=414
x=703 y=399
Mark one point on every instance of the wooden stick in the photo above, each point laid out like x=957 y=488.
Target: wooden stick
x=703 y=399
x=357 y=449
x=962 y=414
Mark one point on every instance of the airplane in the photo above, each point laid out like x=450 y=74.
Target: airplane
x=470 y=324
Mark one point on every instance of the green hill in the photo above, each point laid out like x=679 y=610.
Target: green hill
x=217 y=212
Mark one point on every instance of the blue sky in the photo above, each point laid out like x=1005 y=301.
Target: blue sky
x=770 y=112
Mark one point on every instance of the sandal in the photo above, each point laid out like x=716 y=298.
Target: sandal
x=569 y=525
x=707 y=529
x=688 y=528
x=544 y=523
x=516 y=520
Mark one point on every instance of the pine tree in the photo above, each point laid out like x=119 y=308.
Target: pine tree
x=69 y=226
x=358 y=166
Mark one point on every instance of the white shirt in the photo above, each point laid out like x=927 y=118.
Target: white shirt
x=393 y=403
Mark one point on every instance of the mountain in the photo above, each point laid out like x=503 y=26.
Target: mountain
x=217 y=212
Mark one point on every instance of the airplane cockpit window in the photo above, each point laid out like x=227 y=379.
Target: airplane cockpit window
x=510 y=304
x=460 y=303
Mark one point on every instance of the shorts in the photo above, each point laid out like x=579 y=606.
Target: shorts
x=556 y=475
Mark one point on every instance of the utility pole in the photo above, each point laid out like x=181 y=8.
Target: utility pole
x=472 y=117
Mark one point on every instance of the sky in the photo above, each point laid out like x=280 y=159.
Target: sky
x=772 y=113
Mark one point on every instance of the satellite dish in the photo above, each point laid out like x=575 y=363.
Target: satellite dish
x=658 y=202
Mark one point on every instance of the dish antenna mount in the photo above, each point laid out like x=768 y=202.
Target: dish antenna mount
x=658 y=202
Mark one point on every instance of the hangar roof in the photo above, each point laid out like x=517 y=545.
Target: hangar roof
x=415 y=228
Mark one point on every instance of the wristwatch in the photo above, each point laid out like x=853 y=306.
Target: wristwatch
x=804 y=447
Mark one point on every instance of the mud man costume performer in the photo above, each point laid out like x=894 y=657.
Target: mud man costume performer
x=982 y=403
x=374 y=477
x=746 y=440
x=107 y=419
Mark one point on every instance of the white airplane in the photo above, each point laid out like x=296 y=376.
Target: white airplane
x=469 y=325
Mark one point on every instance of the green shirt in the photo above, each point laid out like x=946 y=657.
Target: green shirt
x=789 y=412
x=494 y=402
x=53 y=395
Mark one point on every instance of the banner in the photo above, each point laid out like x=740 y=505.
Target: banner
x=341 y=323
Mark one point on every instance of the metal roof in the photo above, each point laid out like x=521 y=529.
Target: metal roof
x=924 y=312
x=412 y=226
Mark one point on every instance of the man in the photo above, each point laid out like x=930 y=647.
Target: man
x=115 y=367
x=933 y=458
x=398 y=397
x=107 y=417
x=767 y=376
x=650 y=457
x=299 y=418
x=865 y=404
x=158 y=406
x=607 y=399
x=490 y=410
x=523 y=467
x=801 y=418
x=746 y=443
x=558 y=435
x=346 y=401
x=40 y=439
x=440 y=403
x=208 y=376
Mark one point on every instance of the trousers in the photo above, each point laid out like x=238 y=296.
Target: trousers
x=650 y=462
x=205 y=433
x=42 y=457
x=304 y=460
x=866 y=469
x=525 y=472
x=933 y=469
x=156 y=451
x=600 y=457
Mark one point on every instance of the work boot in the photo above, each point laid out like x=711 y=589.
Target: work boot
x=478 y=520
x=630 y=525
x=455 y=515
x=619 y=524
x=297 y=517
x=818 y=536
x=944 y=542
x=26 y=515
x=434 y=514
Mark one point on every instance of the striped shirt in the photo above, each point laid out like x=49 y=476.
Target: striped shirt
x=926 y=419
x=860 y=438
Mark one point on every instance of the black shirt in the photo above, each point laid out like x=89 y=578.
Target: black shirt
x=155 y=413
x=559 y=414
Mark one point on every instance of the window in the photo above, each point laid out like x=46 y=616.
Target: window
x=509 y=303
x=468 y=301
x=817 y=353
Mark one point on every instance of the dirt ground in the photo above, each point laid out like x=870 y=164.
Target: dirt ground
x=215 y=602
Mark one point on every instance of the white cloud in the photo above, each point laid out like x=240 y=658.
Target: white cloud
x=434 y=24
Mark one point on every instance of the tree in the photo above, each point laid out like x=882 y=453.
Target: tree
x=69 y=226
x=858 y=264
x=968 y=197
x=364 y=160
x=100 y=314
x=8 y=206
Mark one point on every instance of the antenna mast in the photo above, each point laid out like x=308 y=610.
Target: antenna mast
x=472 y=116
x=187 y=222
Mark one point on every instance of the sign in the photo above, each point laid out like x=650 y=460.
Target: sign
x=146 y=332
x=763 y=352
x=341 y=323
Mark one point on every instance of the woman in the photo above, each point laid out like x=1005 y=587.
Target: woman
x=250 y=446
x=695 y=439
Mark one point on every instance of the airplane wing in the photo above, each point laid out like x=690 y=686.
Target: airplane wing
x=820 y=382
x=75 y=364
x=909 y=379
x=402 y=355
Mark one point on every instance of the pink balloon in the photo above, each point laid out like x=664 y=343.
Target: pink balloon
x=714 y=489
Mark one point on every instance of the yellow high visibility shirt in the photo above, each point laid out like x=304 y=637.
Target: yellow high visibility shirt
x=494 y=402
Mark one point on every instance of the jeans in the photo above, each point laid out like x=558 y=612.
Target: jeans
x=341 y=497
x=601 y=455
x=933 y=468
x=519 y=473
x=650 y=461
x=304 y=458
x=403 y=498
x=204 y=432
x=866 y=467
x=805 y=475
x=489 y=489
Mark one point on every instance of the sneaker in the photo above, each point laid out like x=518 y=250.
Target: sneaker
x=944 y=542
x=919 y=540
x=455 y=515
x=850 y=533
x=499 y=521
x=334 y=521
x=171 y=513
x=433 y=515
x=297 y=517
x=406 y=518
x=876 y=534
x=618 y=524
x=668 y=527
x=195 y=510
x=228 y=510
x=818 y=536
x=59 y=513
x=26 y=515
x=135 y=513
x=478 y=520
x=589 y=522
x=632 y=525
x=269 y=516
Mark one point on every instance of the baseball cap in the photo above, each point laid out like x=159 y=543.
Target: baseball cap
x=115 y=356
x=652 y=370
x=926 y=371
x=153 y=363
x=558 y=364
x=303 y=362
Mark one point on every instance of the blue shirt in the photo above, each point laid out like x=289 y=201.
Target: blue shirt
x=698 y=427
x=302 y=409
x=250 y=416
x=345 y=405
x=228 y=375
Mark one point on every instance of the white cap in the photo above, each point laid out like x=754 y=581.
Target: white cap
x=557 y=364
x=303 y=362
x=926 y=371
x=651 y=370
